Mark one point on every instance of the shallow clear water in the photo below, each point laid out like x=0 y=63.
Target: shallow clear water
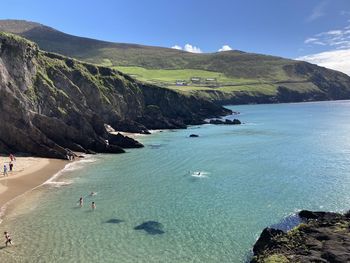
x=284 y=158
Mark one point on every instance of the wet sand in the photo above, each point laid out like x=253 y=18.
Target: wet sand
x=28 y=173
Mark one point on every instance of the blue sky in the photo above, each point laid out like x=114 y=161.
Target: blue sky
x=288 y=28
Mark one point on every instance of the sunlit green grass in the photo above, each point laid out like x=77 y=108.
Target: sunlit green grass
x=171 y=75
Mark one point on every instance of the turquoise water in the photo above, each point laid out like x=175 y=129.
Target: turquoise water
x=284 y=158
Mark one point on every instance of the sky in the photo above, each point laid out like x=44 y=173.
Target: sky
x=313 y=30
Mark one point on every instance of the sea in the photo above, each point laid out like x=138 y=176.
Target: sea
x=182 y=199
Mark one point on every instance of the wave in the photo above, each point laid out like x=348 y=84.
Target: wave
x=70 y=167
x=59 y=184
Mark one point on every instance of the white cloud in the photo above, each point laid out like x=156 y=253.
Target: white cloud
x=335 y=59
x=330 y=33
x=317 y=11
x=225 y=48
x=338 y=38
x=192 y=49
x=310 y=40
x=188 y=48
x=177 y=47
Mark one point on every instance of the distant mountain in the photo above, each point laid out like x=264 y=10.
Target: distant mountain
x=239 y=77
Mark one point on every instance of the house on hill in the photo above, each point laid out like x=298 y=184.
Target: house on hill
x=196 y=80
x=179 y=82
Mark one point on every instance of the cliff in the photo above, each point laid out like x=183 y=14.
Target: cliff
x=49 y=102
x=323 y=237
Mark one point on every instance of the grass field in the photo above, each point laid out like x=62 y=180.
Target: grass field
x=171 y=75
x=224 y=86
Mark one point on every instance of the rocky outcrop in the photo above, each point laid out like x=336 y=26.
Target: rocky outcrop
x=50 y=103
x=226 y=121
x=323 y=237
x=123 y=141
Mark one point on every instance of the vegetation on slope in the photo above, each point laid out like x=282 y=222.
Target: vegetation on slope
x=51 y=103
x=240 y=77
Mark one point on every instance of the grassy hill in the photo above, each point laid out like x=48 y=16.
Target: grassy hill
x=226 y=77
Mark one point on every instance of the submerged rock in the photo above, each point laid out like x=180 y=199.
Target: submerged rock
x=151 y=227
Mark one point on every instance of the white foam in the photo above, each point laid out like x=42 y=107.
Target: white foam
x=70 y=167
x=200 y=174
x=59 y=184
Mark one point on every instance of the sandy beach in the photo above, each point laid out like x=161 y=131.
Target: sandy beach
x=28 y=173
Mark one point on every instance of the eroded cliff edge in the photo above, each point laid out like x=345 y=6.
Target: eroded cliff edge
x=49 y=102
x=323 y=237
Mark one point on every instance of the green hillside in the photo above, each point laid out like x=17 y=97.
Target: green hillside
x=226 y=77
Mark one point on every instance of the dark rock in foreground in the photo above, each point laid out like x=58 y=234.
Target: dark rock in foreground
x=324 y=237
x=151 y=227
x=194 y=135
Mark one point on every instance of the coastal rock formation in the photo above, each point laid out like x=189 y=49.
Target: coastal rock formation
x=151 y=227
x=49 y=102
x=227 y=121
x=123 y=141
x=324 y=237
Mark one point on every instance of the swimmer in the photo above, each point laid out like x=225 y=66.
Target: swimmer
x=93 y=206
x=93 y=193
x=81 y=202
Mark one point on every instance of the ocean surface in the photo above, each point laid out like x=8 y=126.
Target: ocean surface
x=212 y=195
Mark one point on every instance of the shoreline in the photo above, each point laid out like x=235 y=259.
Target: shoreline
x=32 y=173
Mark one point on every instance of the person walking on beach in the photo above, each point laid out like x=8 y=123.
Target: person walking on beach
x=8 y=238
x=11 y=166
x=12 y=157
x=93 y=206
x=81 y=201
x=5 y=170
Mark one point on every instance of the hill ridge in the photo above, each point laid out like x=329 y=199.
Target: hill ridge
x=271 y=79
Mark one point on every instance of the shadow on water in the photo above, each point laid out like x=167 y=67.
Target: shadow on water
x=151 y=227
x=114 y=221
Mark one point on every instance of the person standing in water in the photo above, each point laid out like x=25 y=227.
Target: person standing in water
x=5 y=170
x=93 y=206
x=81 y=201
x=8 y=238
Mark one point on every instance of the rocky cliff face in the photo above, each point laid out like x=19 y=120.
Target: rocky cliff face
x=49 y=102
x=323 y=237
